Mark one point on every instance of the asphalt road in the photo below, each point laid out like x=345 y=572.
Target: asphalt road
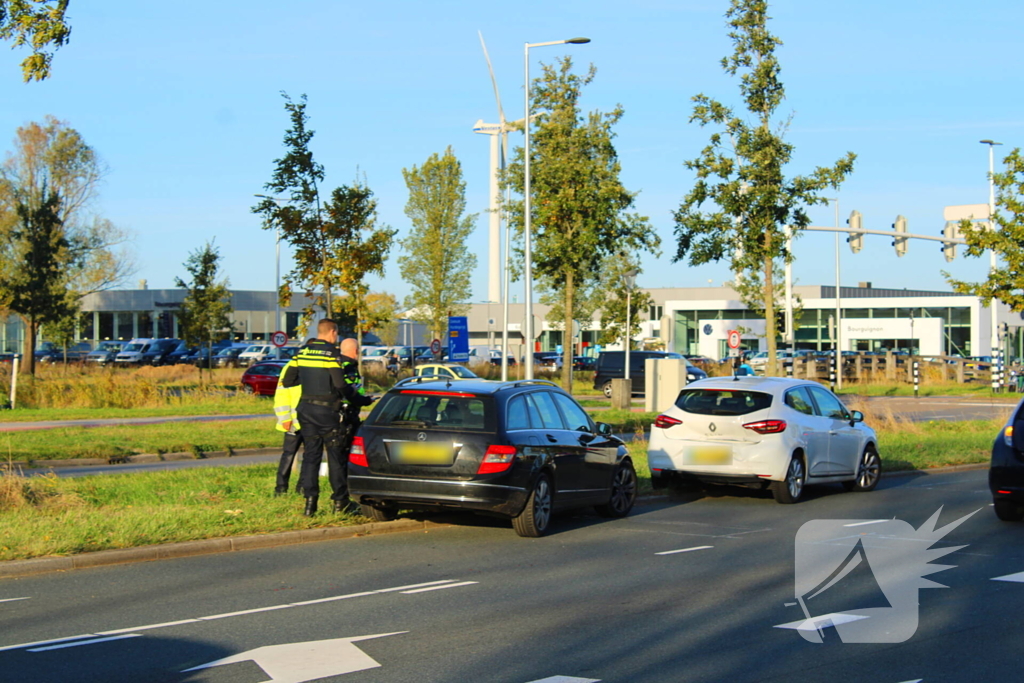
x=596 y=600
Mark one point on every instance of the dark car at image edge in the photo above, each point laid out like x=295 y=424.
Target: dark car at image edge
x=1006 y=472
x=518 y=450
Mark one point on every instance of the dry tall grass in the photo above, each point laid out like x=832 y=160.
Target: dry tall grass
x=147 y=387
x=17 y=492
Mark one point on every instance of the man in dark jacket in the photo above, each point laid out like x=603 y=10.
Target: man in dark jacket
x=317 y=368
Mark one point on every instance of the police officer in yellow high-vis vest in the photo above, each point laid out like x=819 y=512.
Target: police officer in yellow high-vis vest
x=286 y=402
x=318 y=369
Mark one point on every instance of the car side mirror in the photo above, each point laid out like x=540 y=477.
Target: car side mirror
x=857 y=416
x=604 y=429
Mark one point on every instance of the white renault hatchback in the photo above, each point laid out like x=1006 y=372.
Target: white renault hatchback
x=769 y=432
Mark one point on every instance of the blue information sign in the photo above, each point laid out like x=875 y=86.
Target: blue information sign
x=458 y=339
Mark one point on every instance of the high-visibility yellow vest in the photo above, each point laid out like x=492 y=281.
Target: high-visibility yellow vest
x=286 y=400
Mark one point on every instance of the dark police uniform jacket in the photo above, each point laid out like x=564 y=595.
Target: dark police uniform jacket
x=327 y=378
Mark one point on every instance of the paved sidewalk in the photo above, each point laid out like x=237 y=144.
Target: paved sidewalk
x=118 y=422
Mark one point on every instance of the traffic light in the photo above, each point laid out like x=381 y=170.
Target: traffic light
x=900 y=226
x=950 y=232
x=856 y=238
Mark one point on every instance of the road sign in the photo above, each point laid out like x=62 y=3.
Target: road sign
x=734 y=339
x=435 y=346
x=279 y=339
x=972 y=212
x=536 y=327
x=458 y=338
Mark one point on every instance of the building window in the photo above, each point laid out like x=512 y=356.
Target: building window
x=655 y=312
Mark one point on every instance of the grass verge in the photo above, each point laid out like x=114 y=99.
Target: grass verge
x=42 y=516
x=105 y=442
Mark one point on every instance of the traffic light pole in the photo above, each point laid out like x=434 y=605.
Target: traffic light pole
x=888 y=233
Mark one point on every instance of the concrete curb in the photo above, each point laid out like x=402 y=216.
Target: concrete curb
x=16 y=568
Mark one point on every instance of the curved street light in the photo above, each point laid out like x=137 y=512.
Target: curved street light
x=528 y=333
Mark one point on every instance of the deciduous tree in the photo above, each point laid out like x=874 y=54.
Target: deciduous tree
x=580 y=206
x=1006 y=282
x=436 y=263
x=363 y=247
x=53 y=167
x=741 y=170
x=204 y=316
x=39 y=24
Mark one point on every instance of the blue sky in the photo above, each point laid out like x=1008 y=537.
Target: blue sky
x=182 y=102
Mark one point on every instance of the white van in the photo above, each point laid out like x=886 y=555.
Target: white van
x=255 y=353
x=132 y=352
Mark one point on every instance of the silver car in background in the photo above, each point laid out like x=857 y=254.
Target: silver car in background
x=764 y=432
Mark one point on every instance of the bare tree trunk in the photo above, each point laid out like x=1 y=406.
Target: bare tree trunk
x=28 y=360
x=769 y=305
x=570 y=293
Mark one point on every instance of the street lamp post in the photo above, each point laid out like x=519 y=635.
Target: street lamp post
x=629 y=279
x=527 y=222
x=993 y=324
x=277 y=272
x=838 y=359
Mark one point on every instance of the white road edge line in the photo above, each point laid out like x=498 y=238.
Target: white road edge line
x=874 y=521
x=86 y=642
x=437 y=588
x=685 y=550
x=150 y=627
x=566 y=679
x=12 y=599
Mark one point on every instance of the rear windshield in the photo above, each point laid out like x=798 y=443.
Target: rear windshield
x=722 y=402
x=433 y=410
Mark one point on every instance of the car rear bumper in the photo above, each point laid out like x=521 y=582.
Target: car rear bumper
x=754 y=462
x=471 y=495
x=1007 y=482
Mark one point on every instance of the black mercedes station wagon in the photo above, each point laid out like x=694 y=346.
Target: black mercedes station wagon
x=520 y=450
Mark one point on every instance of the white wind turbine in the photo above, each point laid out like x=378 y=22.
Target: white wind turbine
x=499 y=147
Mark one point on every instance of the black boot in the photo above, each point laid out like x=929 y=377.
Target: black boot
x=310 y=508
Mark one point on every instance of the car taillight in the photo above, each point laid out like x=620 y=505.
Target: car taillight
x=766 y=426
x=357 y=456
x=666 y=421
x=497 y=459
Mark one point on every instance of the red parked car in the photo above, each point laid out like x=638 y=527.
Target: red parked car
x=261 y=378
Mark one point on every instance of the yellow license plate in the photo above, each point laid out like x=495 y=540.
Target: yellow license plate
x=709 y=455
x=423 y=454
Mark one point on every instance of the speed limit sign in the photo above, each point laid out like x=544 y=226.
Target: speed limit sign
x=279 y=339
x=435 y=346
x=734 y=339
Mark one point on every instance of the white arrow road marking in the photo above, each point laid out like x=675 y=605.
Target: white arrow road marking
x=685 y=550
x=300 y=662
x=85 y=642
x=437 y=588
x=916 y=680
x=12 y=599
x=1016 y=578
x=874 y=521
x=150 y=627
x=567 y=679
x=822 y=621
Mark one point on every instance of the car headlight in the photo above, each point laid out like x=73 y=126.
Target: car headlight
x=691 y=377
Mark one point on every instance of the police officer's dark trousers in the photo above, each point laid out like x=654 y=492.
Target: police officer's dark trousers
x=284 y=467
x=320 y=429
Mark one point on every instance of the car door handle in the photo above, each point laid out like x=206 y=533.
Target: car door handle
x=551 y=438
x=833 y=433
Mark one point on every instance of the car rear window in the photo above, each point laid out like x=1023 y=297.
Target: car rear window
x=722 y=401
x=433 y=410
